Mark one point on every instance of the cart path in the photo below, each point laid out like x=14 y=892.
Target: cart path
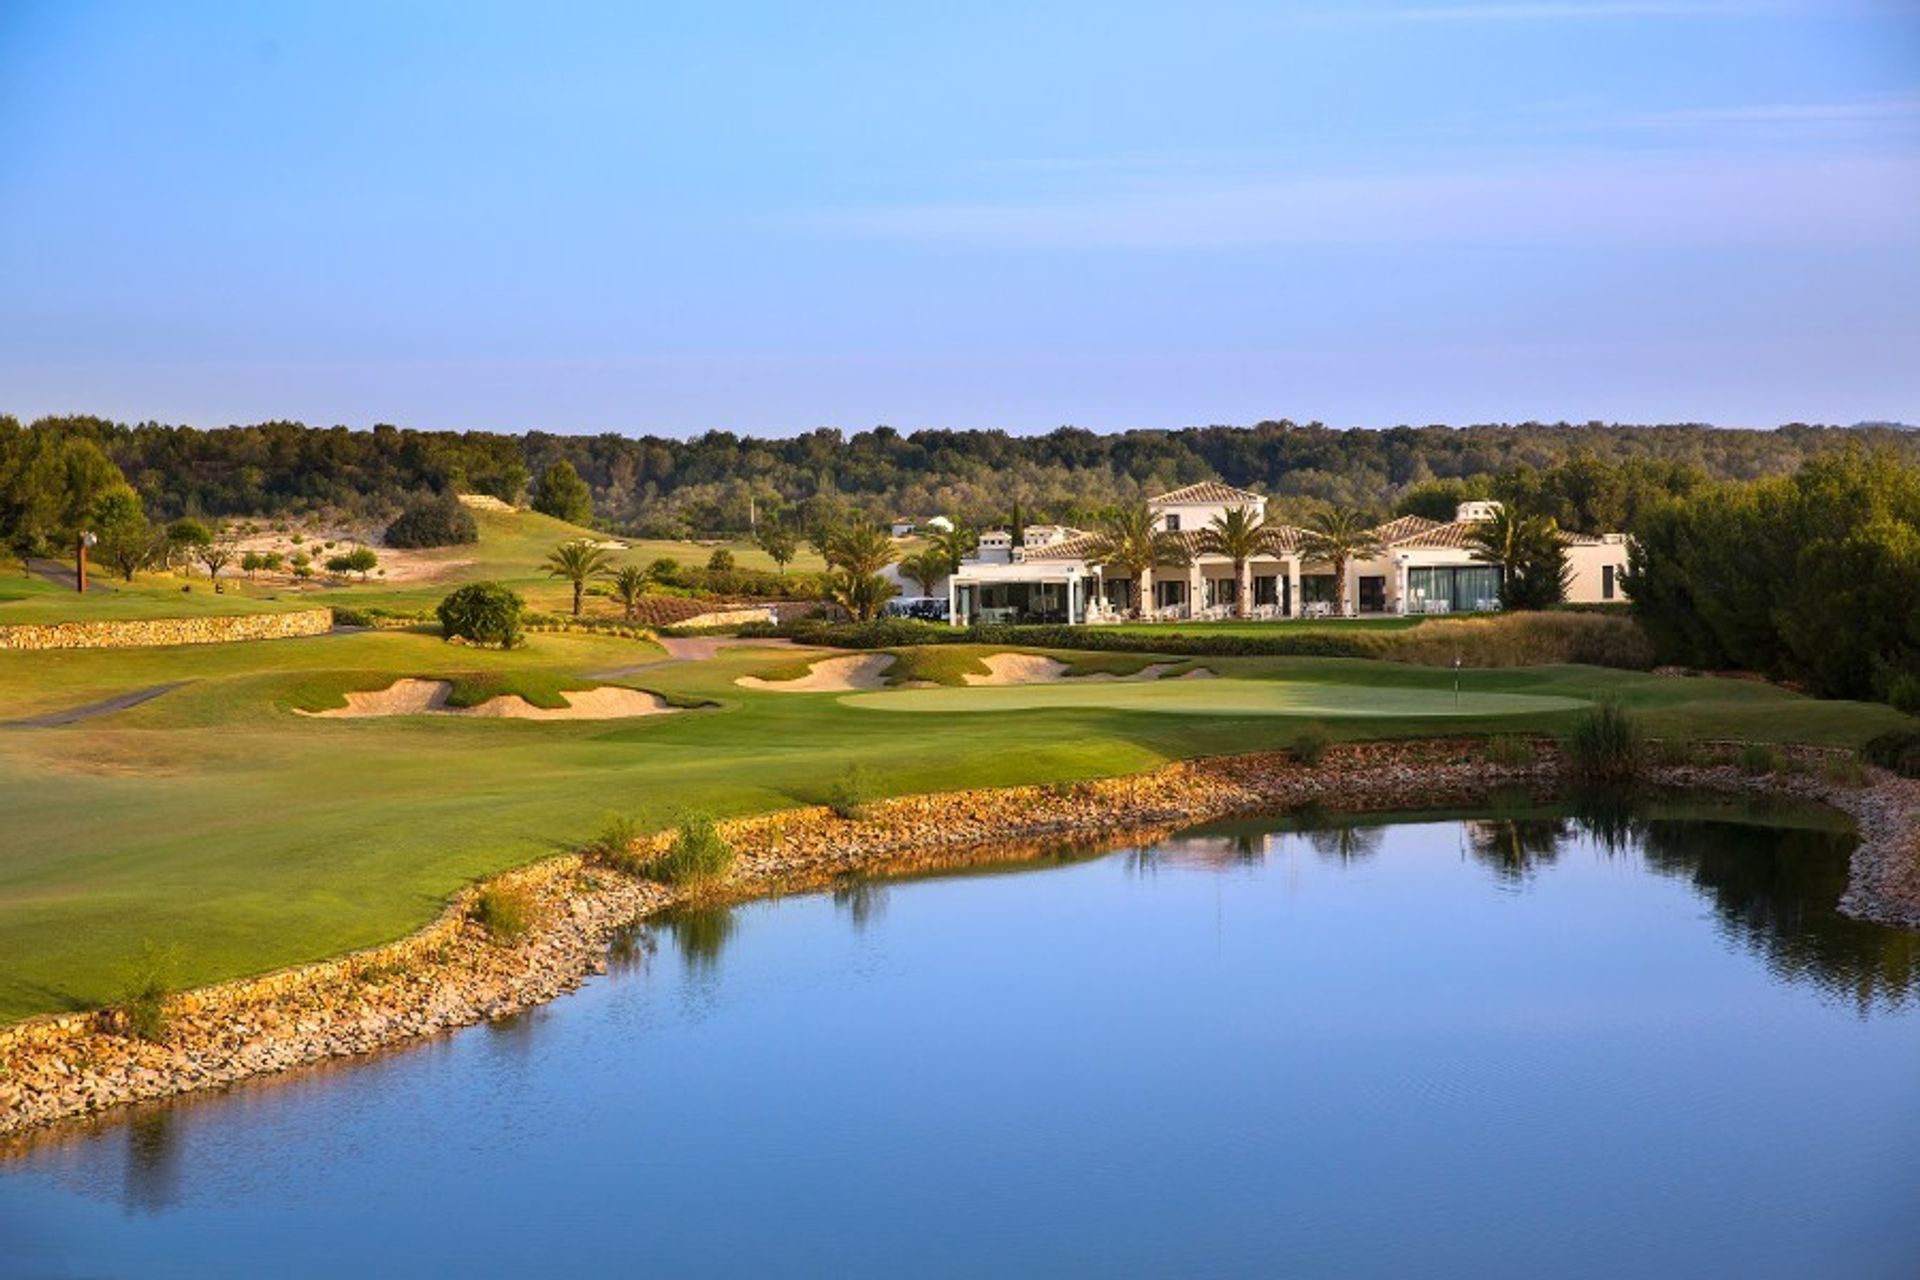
x=74 y=715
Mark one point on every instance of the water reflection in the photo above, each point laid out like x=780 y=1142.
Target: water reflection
x=700 y=933
x=863 y=899
x=154 y=1159
x=1347 y=843
x=1516 y=848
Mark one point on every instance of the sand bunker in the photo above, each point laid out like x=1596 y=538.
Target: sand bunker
x=1032 y=668
x=831 y=675
x=429 y=697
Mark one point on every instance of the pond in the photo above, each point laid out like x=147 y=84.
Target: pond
x=1526 y=1043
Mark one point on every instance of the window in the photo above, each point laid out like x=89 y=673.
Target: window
x=1173 y=522
x=1463 y=587
x=1606 y=582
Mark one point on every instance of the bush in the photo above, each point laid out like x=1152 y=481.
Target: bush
x=617 y=845
x=1675 y=752
x=698 y=854
x=143 y=1008
x=1903 y=693
x=1757 y=757
x=1510 y=751
x=850 y=793
x=504 y=913
x=1844 y=770
x=1898 y=750
x=433 y=522
x=484 y=613
x=1309 y=747
x=1606 y=743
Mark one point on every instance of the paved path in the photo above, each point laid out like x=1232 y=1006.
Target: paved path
x=689 y=649
x=74 y=715
x=61 y=573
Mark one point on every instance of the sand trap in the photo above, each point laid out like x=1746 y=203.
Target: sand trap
x=429 y=697
x=1033 y=668
x=831 y=675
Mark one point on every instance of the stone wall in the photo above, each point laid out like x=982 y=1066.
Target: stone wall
x=142 y=633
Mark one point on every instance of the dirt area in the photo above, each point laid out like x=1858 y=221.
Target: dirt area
x=429 y=697
x=1032 y=668
x=831 y=675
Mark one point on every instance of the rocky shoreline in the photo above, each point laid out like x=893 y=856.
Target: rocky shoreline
x=453 y=973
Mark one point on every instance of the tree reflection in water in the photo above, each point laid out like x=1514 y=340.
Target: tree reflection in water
x=1516 y=847
x=700 y=933
x=862 y=899
x=153 y=1161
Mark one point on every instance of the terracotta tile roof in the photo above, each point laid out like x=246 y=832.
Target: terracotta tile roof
x=1400 y=530
x=1457 y=535
x=1286 y=540
x=1208 y=491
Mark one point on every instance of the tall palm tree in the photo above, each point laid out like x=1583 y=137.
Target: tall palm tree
x=861 y=549
x=926 y=568
x=1335 y=537
x=1531 y=556
x=955 y=544
x=577 y=561
x=1128 y=541
x=629 y=584
x=1239 y=535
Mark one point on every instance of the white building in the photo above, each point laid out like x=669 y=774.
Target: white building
x=1426 y=566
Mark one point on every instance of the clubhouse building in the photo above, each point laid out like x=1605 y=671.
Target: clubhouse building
x=1425 y=566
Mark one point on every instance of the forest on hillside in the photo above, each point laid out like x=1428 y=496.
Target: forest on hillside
x=1589 y=475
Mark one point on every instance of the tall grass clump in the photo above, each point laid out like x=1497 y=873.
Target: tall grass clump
x=1758 y=757
x=698 y=855
x=1309 y=746
x=617 y=843
x=850 y=793
x=143 y=1006
x=504 y=913
x=1510 y=751
x=1605 y=744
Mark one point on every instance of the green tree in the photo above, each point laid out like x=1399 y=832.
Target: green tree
x=955 y=544
x=578 y=561
x=482 y=612
x=126 y=539
x=1128 y=541
x=862 y=595
x=1531 y=553
x=564 y=495
x=926 y=567
x=216 y=554
x=1239 y=535
x=363 y=561
x=863 y=550
x=630 y=583
x=779 y=542
x=1334 y=538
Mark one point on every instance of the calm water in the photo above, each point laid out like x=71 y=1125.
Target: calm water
x=1439 y=1047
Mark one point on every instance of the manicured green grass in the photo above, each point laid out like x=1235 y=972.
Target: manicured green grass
x=216 y=822
x=149 y=595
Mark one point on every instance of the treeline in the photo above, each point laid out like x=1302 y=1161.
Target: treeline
x=719 y=481
x=1813 y=577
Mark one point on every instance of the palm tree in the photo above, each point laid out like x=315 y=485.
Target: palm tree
x=1239 y=535
x=861 y=549
x=629 y=584
x=954 y=544
x=926 y=568
x=577 y=561
x=860 y=594
x=1128 y=541
x=1335 y=537
x=1531 y=556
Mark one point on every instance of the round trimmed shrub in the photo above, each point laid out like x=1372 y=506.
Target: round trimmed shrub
x=483 y=613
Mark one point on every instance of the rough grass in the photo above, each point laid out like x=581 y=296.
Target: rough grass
x=505 y=912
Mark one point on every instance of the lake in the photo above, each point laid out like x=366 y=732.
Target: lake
x=1533 y=1043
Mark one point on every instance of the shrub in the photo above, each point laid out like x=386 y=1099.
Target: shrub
x=143 y=1007
x=433 y=522
x=721 y=561
x=1903 y=693
x=1844 y=770
x=1606 y=743
x=617 y=845
x=1898 y=750
x=484 y=613
x=698 y=854
x=1309 y=747
x=1675 y=752
x=504 y=913
x=850 y=793
x=1509 y=751
x=1757 y=757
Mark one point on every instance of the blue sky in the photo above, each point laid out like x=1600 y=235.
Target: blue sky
x=766 y=218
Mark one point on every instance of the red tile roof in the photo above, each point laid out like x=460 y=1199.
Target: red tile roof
x=1208 y=492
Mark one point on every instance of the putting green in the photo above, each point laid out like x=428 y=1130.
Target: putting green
x=1225 y=697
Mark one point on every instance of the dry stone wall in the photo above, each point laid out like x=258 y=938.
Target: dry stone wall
x=147 y=632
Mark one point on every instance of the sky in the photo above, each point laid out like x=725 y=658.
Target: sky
x=767 y=218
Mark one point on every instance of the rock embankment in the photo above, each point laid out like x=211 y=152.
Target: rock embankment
x=452 y=973
x=143 y=633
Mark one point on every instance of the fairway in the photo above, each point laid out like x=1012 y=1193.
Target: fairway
x=1219 y=698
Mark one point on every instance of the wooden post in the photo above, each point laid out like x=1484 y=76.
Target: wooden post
x=80 y=564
